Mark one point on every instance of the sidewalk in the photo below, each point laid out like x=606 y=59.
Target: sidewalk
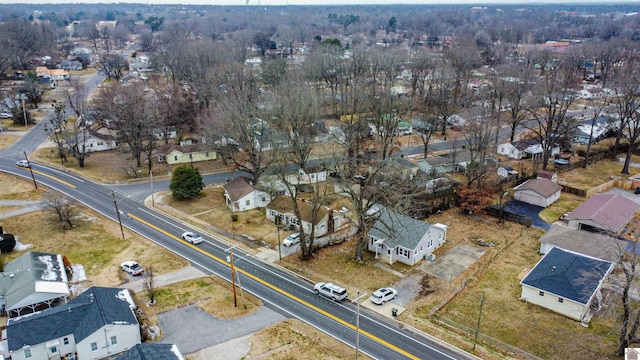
x=186 y=273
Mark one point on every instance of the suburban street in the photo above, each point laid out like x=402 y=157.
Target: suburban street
x=380 y=337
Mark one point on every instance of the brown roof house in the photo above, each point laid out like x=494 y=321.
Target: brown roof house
x=241 y=195
x=608 y=213
x=540 y=192
x=282 y=206
x=583 y=242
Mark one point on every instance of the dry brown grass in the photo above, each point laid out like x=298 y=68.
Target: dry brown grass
x=212 y=294
x=293 y=339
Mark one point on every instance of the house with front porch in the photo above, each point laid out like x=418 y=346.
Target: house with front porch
x=311 y=216
x=396 y=237
x=241 y=194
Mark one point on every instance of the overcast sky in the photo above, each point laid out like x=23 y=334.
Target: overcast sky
x=317 y=2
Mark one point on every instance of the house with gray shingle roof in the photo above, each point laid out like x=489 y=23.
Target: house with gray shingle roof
x=311 y=216
x=582 y=242
x=152 y=352
x=33 y=281
x=540 y=192
x=241 y=194
x=566 y=282
x=396 y=237
x=608 y=213
x=97 y=324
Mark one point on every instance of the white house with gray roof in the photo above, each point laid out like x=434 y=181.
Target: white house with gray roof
x=97 y=324
x=397 y=237
x=33 y=281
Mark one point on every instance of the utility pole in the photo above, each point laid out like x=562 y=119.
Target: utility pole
x=35 y=184
x=153 y=201
x=24 y=113
x=278 y=229
x=113 y=194
x=233 y=278
x=357 y=300
x=244 y=301
x=475 y=338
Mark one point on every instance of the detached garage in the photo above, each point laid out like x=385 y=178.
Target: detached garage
x=540 y=192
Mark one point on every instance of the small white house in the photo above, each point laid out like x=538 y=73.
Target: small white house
x=282 y=207
x=507 y=171
x=566 y=282
x=540 y=192
x=396 y=237
x=241 y=195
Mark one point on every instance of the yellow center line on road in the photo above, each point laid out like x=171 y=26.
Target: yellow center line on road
x=54 y=178
x=273 y=287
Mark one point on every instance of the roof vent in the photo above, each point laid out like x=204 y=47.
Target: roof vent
x=12 y=275
x=553 y=268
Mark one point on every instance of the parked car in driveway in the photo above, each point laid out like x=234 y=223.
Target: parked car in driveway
x=22 y=163
x=192 y=237
x=132 y=268
x=383 y=295
x=333 y=292
x=291 y=239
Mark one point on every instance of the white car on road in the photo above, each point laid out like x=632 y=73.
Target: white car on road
x=22 y=163
x=132 y=268
x=192 y=237
x=291 y=239
x=383 y=295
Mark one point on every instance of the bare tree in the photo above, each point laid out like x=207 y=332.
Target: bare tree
x=76 y=138
x=149 y=284
x=114 y=66
x=57 y=130
x=62 y=206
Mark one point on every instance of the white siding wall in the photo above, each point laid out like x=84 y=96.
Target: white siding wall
x=530 y=197
x=568 y=308
x=127 y=336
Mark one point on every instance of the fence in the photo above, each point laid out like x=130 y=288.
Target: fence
x=495 y=212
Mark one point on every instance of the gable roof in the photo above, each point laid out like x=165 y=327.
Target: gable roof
x=542 y=187
x=398 y=229
x=152 y=352
x=568 y=275
x=33 y=278
x=238 y=188
x=284 y=204
x=584 y=242
x=612 y=211
x=81 y=316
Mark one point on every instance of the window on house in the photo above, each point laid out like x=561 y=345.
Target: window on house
x=430 y=243
x=263 y=199
x=560 y=300
x=248 y=203
x=94 y=346
x=54 y=350
x=114 y=340
x=27 y=353
x=65 y=341
x=541 y=293
x=415 y=252
x=388 y=251
x=175 y=158
x=421 y=247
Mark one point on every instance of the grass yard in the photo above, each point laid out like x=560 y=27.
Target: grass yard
x=596 y=174
x=212 y=294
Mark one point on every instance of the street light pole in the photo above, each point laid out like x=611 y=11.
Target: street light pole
x=357 y=300
x=35 y=184
x=113 y=194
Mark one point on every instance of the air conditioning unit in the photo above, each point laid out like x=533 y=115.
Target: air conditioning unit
x=430 y=257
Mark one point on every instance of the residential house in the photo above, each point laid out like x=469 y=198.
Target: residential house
x=96 y=324
x=566 y=282
x=314 y=175
x=507 y=171
x=282 y=206
x=540 y=192
x=605 y=213
x=545 y=174
x=521 y=149
x=436 y=165
x=33 y=281
x=269 y=139
x=396 y=237
x=94 y=141
x=153 y=351
x=185 y=154
x=71 y=65
x=582 y=242
x=405 y=169
x=165 y=133
x=241 y=194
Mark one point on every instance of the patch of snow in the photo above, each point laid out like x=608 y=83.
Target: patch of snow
x=52 y=272
x=20 y=246
x=77 y=273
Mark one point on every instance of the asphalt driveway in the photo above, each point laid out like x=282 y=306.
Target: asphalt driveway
x=532 y=211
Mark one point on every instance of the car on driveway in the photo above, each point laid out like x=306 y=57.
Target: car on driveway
x=333 y=292
x=291 y=239
x=5 y=115
x=192 y=237
x=22 y=163
x=132 y=268
x=383 y=295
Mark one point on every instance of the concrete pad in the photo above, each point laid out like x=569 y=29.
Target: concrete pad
x=234 y=349
x=384 y=309
x=453 y=263
x=268 y=255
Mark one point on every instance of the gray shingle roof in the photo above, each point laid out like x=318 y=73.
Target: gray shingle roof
x=542 y=187
x=612 y=211
x=151 y=352
x=238 y=188
x=81 y=316
x=584 y=242
x=568 y=275
x=398 y=229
